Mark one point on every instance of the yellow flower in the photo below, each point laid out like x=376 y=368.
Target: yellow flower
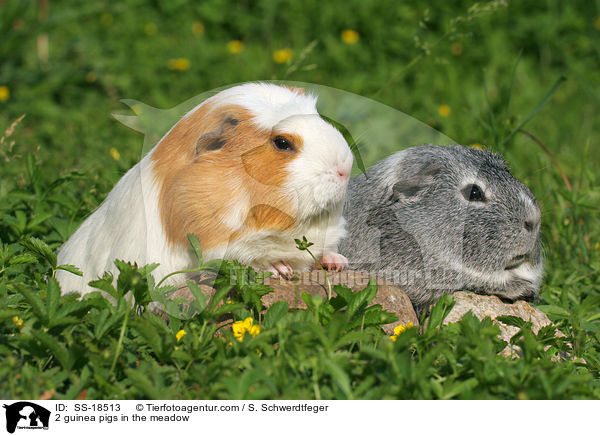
x=150 y=29
x=248 y=323
x=399 y=329
x=198 y=28
x=4 y=93
x=90 y=77
x=597 y=246
x=597 y=23
x=456 y=49
x=180 y=334
x=18 y=322
x=350 y=36
x=235 y=46
x=477 y=145
x=238 y=330
x=106 y=19
x=282 y=56
x=178 y=64
x=115 y=153
x=254 y=330
x=444 y=110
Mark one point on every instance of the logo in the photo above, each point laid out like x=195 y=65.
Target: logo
x=26 y=415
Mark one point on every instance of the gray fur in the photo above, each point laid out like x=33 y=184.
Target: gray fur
x=409 y=220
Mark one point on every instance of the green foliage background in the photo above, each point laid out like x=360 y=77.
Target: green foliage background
x=67 y=64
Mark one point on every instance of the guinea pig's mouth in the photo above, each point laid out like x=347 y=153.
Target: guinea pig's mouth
x=515 y=262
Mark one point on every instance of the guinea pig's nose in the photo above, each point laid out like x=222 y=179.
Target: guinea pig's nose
x=342 y=173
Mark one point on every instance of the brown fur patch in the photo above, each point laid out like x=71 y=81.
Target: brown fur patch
x=199 y=185
x=297 y=90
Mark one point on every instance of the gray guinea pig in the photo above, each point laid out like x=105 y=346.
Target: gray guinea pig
x=437 y=219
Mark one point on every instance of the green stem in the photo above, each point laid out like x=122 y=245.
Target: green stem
x=183 y=271
x=324 y=272
x=315 y=378
x=121 y=336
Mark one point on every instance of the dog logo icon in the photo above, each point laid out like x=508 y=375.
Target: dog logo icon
x=26 y=415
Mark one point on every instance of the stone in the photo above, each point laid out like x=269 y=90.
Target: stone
x=491 y=306
x=389 y=296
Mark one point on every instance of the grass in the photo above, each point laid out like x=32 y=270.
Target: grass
x=489 y=73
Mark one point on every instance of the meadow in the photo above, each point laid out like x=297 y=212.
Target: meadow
x=519 y=78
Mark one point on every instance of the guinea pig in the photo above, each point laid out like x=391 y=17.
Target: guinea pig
x=247 y=171
x=437 y=219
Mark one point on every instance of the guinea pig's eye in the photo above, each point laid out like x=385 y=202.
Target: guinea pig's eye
x=473 y=193
x=282 y=143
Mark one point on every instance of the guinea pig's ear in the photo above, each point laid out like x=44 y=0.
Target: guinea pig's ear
x=414 y=186
x=295 y=89
x=216 y=139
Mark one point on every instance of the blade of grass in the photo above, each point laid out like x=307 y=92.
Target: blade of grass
x=493 y=126
x=543 y=147
x=536 y=109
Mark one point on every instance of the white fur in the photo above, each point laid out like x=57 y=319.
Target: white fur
x=268 y=103
x=526 y=200
x=525 y=271
x=128 y=226
x=314 y=176
x=265 y=248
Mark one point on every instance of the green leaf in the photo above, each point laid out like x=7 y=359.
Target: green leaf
x=344 y=292
x=71 y=268
x=440 y=310
x=373 y=316
x=142 y=383
x=149 y=332
x=196 y=248
x=227 y=308
x=200 y=300
x=36 y=303
x=362 y=298
x=40 y=249
x=513 y=321
x=218 y=296
x=58 y=350
x=33 y=173
x=352 y=337
x=105 y=284
x=313 y=302
x=275 y=313
x=52 y=297
x=8 y=314
x=23 y=259
x=554 y=310
x=103 y=323
x=39 y=219
x=339 y=376
x=21 y=220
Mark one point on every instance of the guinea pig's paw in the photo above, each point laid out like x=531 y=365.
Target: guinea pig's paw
x=281 y=269
x=333 y=261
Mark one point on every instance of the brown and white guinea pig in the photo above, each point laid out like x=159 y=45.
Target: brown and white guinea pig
x=247 y=171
